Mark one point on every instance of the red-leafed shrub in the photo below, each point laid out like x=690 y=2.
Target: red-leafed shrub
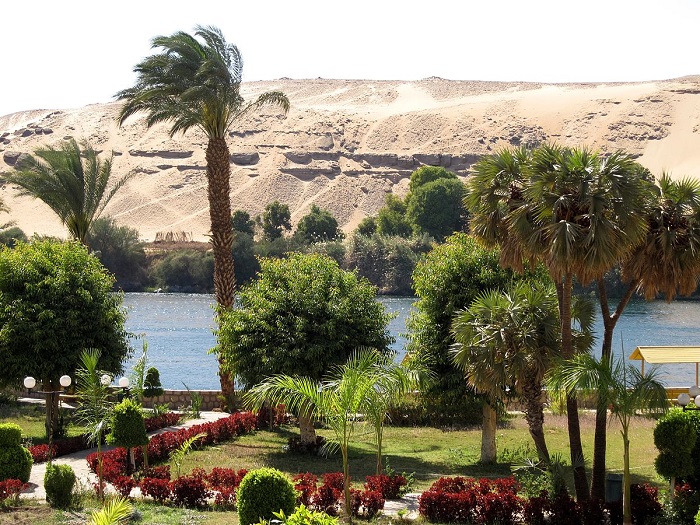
x=162 y=421
x=334 y=480
x=124 y=484
x=190 y=491
x=326 y=499
x=10 y=490
x=389 y=486
x=645 y=504
x=466 y=500
x=158 y=489
x=223 y=477
x=160 y=472
x=305 y=484
x=225 y=498
x=371 y=502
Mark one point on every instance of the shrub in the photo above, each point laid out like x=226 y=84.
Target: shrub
x=305 y=484
x=128 y=427
x=388 y=486
x=263 y=492
x=157 y=488
x=58 y=483
x=10 y=435
x=15 y=463
x=124 y=484
x=189 y=491
x=297 y=446
x=371 y=501
x=304 y=516
x=189 y=271
x=151 y=385
x=9 y=491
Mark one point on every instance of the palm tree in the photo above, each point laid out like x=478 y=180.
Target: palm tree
x=336 y=401
x=666 y=261
x=509 y=339
x=572 y=209
x=71 y=180
x=195 y=82
x=623 y=388
x=94 y=405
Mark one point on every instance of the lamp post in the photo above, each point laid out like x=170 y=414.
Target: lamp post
x=124 y=385
x=51 y=404
x=691 y=400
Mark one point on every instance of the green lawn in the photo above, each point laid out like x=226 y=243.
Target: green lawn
x=31 y=417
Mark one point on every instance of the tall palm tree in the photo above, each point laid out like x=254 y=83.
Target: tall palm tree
x=512 y=338
x=622 y=387
x=573 y=209
x=195 y=82
x=666 y=261
x=337 y=401
x=72 y=180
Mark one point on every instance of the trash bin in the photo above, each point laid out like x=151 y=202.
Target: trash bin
x=613 y=487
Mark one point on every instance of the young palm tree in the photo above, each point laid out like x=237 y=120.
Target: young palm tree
x=94 y=405
x=195 y=82
x=572 y=209
x=71 y=180
x=337 y=401
x=511 y=339
x=623 y=388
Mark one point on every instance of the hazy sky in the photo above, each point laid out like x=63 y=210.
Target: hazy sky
x=63 y=53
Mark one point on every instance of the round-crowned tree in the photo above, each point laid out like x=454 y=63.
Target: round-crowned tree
x=303 y=315
x=56 y=300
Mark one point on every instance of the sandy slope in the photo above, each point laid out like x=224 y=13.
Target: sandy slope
x=345 y=144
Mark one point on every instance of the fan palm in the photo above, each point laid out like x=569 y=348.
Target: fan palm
x=72 y=180
x=195 y=82
x=622 y=387
x=574 y=210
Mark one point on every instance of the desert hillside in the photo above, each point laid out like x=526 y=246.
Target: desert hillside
x=345 y=144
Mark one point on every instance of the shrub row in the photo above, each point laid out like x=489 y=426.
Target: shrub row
x=328 y=497
x=161 y=445
x=61 y=447
x=484 y=501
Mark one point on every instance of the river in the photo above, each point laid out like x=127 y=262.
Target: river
x=179 y=331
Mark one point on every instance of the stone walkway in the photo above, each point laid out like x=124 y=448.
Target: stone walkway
x=407 y=506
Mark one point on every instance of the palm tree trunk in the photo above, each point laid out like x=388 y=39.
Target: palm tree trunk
x=488 y=434
x=380 y=432
x=627 y=492
x=575 y=445
x=601 y=416
x=534 y=415
x=218 y=192
x=346 y=484
x=306 y=427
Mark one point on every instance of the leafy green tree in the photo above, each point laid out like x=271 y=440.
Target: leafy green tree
x=95 y=405
x=241 y=222
x=185 y=271
x=10 y=236
x=245 y=262
x=71 y=180
x=55 y=301
x=195 y=82
x=446 y=281
x=344 y=393
x=301 y=316
x=427 y=174
x=121 y=251
x=367 y=226
x=572 y=209
x=391 y=219
x=437 y=208
x=318 y=226
x=622 y=387
x=275 y=220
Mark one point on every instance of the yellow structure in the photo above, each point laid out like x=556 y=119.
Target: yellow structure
x=668 y=354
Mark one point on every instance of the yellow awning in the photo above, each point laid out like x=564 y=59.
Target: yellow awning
x=667 y=354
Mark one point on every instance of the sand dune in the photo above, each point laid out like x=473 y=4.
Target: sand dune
x=345 y=144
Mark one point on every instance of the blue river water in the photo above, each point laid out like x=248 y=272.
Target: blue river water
x=179 y=331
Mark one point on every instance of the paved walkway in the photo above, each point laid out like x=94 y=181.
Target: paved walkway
x=408 y=505
x=77 y=460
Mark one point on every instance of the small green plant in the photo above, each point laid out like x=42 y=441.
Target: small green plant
x=263 y=492
x=195 y=402
x=139 y=376
x=58 y=483
x=304 y=516
x=152 y=386
x=128 y=427
x=159 y=410
x=116 y=511
x=178 y=456
x=15 y=460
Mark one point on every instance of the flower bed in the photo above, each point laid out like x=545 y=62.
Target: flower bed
x=61 y=447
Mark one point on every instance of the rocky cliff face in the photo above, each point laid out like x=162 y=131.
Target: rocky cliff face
x=345 y=144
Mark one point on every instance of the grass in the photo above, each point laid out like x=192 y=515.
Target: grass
x=31 y=418
x=431 y=453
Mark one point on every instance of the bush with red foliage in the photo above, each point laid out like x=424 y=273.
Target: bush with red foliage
x=645 y=504
x=164 y=420
x=371 y=502
x=124 y=484
x=160 y=472
x=305 y=483
x=389 y=486
x=190 y=491
x=225 y=498
x=157 y=488
x=10 y=490
x=466 y=500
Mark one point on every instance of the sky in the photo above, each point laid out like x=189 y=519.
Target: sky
x=60 y=54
